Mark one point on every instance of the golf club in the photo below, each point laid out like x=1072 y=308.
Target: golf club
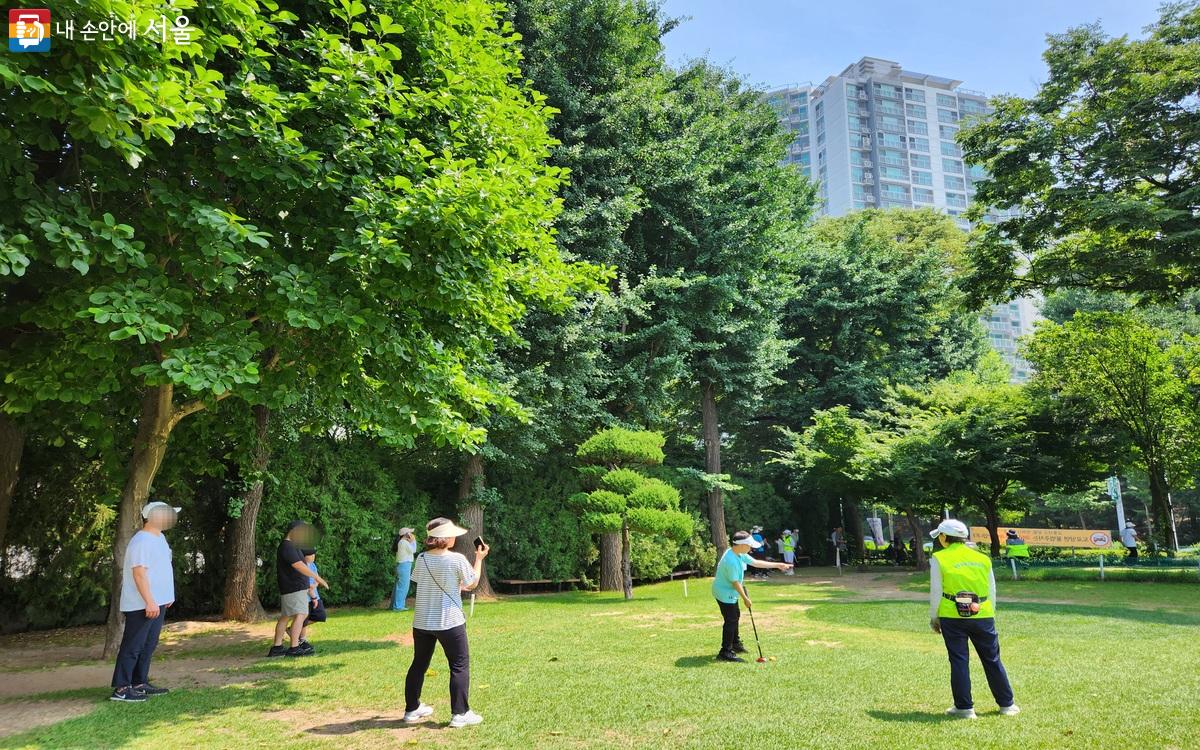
x=758 y=643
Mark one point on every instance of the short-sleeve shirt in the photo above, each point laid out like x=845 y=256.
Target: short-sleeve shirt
x=405 y=551
x=1128 y=537
x=312 y=582
x=731 y=569
x=149 y=551
x=439 y=580
x=290 y=579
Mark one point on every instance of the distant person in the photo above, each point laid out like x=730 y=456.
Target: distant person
x=962 y=607
x=406 y=550
x=316 y=608
x=147 y=590
x=441 y=576
x=838 y=537
x=898 y=555
x=759 y=552
x=788 y=543
x=727 y=588
x=1014 y=546
x=292 y=574
x=1129 y=537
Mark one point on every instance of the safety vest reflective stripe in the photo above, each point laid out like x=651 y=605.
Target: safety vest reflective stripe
x=964 y=569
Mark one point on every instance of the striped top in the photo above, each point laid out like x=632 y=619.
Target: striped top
x=439 y=579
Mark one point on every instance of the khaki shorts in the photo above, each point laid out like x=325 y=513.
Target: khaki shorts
x=295 y=603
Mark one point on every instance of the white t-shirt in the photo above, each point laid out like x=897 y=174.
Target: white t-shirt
x=405 y=551
x=149 y=551
x=439 y=579
x=1129 y=536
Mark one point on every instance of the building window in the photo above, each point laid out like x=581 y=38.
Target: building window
x=921 y=195
x=922 y=178
x=944 y=100
x=972 y=106
x=951 y=149
x=947 y=133
x=916 y=110
x=955 y=183
x=918 y=127
x=914 y=95
x=919 y=160
x=891 y=123
x=892 y=140
x=918 y=144
x=893 y=173
x=948 y=117
x=890 y=156
x=888 y=90
x=956 y=200
x=952 y=165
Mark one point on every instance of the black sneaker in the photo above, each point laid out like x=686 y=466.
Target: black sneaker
x=300 y=651
x=127 y=695
x=306 y=644
x=740 y=648
x=149 y=689
x=277 y=651
x=729 y=656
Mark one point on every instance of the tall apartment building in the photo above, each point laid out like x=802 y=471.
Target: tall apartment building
x=879 y=136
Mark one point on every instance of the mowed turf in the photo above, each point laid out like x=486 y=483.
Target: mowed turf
x=1114 y=665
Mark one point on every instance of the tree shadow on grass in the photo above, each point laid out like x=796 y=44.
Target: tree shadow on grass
x=119 y=725
x=913 y=717
x=852 y=613
x=342 y=728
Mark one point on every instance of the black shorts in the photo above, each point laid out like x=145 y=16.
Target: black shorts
x=316 y=611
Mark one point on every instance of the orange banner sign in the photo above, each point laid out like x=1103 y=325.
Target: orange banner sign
x=1090 y=538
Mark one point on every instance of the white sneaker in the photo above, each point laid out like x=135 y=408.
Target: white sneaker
x=1012 y=710
x=469 y=719
x=961 y=713
x=420 y=712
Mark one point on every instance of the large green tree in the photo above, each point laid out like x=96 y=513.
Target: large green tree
x=1136 y=379
x=1096 y=175
x=357 y=197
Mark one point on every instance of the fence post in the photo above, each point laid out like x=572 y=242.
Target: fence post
x=837 y=555
x=1101 y=567
x=1013 y=562
x=685 y=587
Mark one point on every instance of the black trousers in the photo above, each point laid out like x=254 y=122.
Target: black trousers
x=1131 y=554
x=454 y=643
x=981 y=633
x=137 y=647
x=729 y=631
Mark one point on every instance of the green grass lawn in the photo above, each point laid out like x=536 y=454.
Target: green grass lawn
x=1114 y=665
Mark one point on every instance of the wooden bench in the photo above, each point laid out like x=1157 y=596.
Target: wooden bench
x=521 y=584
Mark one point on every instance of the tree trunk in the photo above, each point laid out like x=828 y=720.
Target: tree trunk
x=856 y=546
x=626 y=563
x=991 y=513
x=918 y=539
x=611 y=577
x=1160 y=504
x=241 y=575
x=471 y=513
x=712 y=465
x=12 y=445
x=149 y=447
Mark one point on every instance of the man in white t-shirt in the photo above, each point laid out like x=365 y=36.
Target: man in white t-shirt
x=1129 y=537
x=147 y=589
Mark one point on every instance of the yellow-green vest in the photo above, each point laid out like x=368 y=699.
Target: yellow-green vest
x=789 y=543
x=964 y=569
x=1016 y=548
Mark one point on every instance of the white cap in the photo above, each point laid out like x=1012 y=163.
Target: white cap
x=444 y=528
x=406 y=531
x=1130 y=524
x=148 y=507
x=951 y=527
x=744 y=538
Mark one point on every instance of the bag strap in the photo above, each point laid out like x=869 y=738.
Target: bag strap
x=437 y=583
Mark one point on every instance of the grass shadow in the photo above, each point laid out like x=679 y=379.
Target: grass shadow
x=850 y=613
x=695 y=661
x=910 y=717
x=342 y=728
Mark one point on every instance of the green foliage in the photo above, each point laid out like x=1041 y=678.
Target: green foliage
x=618 y=445
x=622 y=481
x=1094 y=167
x=653 y=558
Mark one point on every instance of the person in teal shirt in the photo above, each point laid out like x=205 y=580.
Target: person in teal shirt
x=728 y=588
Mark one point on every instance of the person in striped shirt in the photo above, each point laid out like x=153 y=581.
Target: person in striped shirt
x=441 y=576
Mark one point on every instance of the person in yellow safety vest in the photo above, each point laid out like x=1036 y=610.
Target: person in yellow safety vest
x=1014 y=545
x=962 y=607
x=789 y=550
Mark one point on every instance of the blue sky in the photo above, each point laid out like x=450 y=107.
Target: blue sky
x=991 y=45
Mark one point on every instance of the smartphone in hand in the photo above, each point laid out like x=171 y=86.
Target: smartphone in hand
x=478 y=542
